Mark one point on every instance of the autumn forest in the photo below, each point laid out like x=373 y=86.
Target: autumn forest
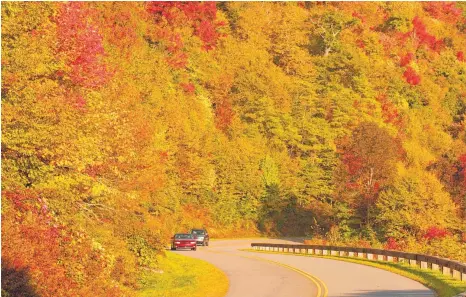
x=124 y=122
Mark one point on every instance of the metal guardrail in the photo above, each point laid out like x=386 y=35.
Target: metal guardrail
x=455 y=269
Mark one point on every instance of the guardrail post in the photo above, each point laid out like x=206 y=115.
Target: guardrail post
x=463 y=276
x=380 y=258
x=446 y=270
x=324 y=252
x=333 y=252
x=412 y=262
x=435 y=266
x=389 y=258
x=424 y=265
x=350 y=254
x=456 y=274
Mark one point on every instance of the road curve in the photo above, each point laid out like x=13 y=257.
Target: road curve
x=255 y=278
x=256 y=274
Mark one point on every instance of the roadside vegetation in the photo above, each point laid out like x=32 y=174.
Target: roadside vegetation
x=125 y=122
x=443 y=285
x=179 y=275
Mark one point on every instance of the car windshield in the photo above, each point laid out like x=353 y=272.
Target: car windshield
x=198 y=232
x=183 y=236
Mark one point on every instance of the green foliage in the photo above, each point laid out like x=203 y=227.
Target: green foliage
x=412 y=204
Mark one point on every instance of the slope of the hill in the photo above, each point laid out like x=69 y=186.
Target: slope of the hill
x=125 y=122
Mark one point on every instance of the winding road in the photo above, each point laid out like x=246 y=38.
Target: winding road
x=276 y=275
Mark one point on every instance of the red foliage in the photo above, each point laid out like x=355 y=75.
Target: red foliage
x=411 y=76
x=460 y=56
x=224 y=115
x=360 y=43
x=80 y=102
x=434 y=233
x=163 y=156
x=81 y=43
x=352 y=186
x=405 y=60
x=208 y=34
x=444 y=11
x=392 y=244
x=376 y=187
x=389 y=111
x=424 y=37
x=353 y=163
x=201 y=16
x=363 y=243
x=76 y=100
x=94 y=170
x=462 y=160
x=358 y=16
x=178 y=60
x=188 y=88
x=122 y=27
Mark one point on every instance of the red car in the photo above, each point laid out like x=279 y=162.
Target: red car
x=184 y=241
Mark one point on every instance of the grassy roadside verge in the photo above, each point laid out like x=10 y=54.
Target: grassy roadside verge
x=184 y=276
x=443 y=285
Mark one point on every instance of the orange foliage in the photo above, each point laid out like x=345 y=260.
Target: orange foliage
x=46 y=250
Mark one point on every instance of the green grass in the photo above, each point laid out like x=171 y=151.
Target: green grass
x=184 y=276
x=443 y=285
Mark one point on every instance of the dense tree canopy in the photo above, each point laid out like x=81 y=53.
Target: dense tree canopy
x=123 y=122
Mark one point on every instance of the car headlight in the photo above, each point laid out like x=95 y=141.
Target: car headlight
x=177 y=242
x=193 y=242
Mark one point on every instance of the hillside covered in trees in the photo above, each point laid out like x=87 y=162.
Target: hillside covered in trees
x=125 y=122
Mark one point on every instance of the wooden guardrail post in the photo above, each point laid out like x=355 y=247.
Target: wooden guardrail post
x=446 y=270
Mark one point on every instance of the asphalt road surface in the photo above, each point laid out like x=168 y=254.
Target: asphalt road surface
x=276 y=275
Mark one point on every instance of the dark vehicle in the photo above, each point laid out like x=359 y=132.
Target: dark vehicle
x=202 y=237
x=184 y=241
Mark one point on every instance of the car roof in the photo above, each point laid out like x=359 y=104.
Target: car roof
x=183 y=234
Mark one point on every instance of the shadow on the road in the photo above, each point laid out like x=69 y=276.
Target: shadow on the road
x=389 y=293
